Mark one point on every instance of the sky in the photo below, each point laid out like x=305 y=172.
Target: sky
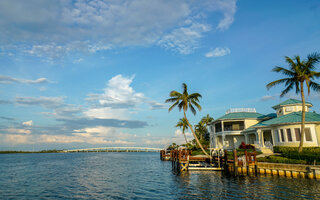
x=96 y=73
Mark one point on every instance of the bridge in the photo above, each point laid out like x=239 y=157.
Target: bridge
x=116 y=149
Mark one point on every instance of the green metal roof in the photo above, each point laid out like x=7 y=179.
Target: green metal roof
x=240 y=115
x=294 y=117
x=268 y=116
x=290 y=102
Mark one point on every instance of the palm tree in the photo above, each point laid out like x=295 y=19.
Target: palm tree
x=184 y=125
x=207 y=120
x=185 y=101
x=300 y=73
x=200 y=130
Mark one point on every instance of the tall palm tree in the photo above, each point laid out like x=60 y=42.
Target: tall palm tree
x=300 y=73
x=184 y=125
x=185 y=101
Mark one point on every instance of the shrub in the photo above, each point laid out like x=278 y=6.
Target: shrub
x=308 y=154
x=246 y=146
x=279 y=159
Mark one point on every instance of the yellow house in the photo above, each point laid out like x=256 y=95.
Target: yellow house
x=266 y=131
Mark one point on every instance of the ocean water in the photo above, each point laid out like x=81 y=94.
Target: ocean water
x=133 y=175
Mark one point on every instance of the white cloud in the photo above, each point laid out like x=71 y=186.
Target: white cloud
x=178 y=133
x=28 y=123
x=218 y=52
x=184 y=40
x=94 y=136
x=52 y=29
x=268 y=97
x=18 y=131
x=47 y=102
x=228 y=7
x=10 y=80
x=16 y=139
x=78 y=60
x=118 y=94
x=107 y=113
x=156 y=105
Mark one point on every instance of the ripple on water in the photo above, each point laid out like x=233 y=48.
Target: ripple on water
x=133 y=176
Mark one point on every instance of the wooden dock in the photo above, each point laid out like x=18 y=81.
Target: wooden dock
x=244 y=165
x=183 y=161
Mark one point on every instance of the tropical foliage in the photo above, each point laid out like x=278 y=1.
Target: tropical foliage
x=299 y=74
x=184 y=125
x=186 y=101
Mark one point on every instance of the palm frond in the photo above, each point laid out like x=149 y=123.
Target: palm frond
x=174 y=99
x=185 y=89
x=283 y=71
x=277 y=82
x=174 y=105
x=287 y=89
x=181 y=106
x=297 y=87
x=308 y=86
x=175 y=94
x=291 y=63
x=315 y=86
x=192 y=109
x=195 y=96
x=196 y=104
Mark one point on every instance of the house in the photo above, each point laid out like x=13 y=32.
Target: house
x=265 y=131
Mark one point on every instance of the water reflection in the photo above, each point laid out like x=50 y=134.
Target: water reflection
x=133 y=176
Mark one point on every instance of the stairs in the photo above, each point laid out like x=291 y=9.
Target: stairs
x=265 y=150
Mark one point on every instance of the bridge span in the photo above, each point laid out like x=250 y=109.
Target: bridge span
x=116 y=149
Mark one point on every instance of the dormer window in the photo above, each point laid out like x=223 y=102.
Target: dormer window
x=289 y=109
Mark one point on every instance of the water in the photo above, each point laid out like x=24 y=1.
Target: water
x=132 y=176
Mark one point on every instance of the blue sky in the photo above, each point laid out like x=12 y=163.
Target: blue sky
x=77 y=74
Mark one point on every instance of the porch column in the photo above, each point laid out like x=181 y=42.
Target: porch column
x=262 y=139
x=273 y=136
x=222 y=126
x=246 y=139
x=259 y=137
x=223 y=137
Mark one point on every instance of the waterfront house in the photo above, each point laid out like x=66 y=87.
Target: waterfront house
x=265 y=131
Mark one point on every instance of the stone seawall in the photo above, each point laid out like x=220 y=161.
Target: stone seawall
x=279 y=169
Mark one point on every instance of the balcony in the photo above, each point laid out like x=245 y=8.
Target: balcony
x=236 y=126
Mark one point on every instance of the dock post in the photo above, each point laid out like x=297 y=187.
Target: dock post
x=255 y=163
x=226 y=167
x=235 y=162
x=247 y=161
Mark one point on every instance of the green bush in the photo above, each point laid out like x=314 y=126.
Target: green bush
x=308 y=154
x=279 y=159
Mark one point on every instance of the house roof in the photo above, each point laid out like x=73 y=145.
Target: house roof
x=294 y=117
x=268 y=116
x=240 y=115
x=290 y=102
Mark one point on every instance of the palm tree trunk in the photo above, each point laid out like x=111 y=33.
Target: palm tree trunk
x=194 y=135
x=302 y=118
x=185 y=137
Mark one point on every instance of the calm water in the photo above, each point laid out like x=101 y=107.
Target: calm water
x=132 y=176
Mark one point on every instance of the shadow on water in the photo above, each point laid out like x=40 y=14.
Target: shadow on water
x=133 y=176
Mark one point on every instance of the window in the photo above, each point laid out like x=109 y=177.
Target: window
x=298 y=134
x=282 y=135
x=289 y=109
x=289 y=136
x=308 y=134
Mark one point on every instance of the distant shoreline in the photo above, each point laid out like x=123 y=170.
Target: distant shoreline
x=63 y=151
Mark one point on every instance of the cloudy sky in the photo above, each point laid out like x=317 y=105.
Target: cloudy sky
x=93 y=73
